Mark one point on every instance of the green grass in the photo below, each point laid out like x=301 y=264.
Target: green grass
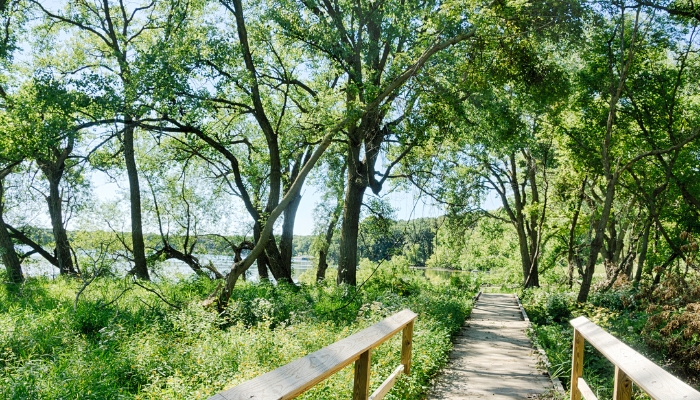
x=122 y=341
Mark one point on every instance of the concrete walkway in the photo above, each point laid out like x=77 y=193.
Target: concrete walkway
x=492 y=356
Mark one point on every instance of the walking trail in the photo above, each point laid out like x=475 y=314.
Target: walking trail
x=492 y=356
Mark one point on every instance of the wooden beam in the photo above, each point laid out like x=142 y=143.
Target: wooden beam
x=384 y=388
x=585 y=390
x=576 y=365
x=360 y=389
x=623 y=385
x=651 y=378
x=288 y=381
x=407 y=347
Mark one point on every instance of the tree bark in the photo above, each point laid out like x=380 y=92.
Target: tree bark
x=323 y=252
x=7 y=247
x=63 y=252
x=138 y=247
x=262 y=259
x=597 y=242
x=287 y=238
x=643 y=252
x=280 y=271
x=347 y=260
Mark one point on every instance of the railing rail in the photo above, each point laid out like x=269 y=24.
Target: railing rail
x=290 y=380
x=630 y=367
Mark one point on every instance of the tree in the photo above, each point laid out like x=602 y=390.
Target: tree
x=611 y=61
x=369 y=44
x=10 y=17
x=121 y=36
x=255 y=136
x=504 y=143
x=45 y=121
x=7 y=247
x=329 y=209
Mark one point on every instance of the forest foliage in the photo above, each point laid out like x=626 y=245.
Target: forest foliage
x=577 y=122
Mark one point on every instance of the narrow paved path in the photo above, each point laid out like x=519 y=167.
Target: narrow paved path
x=492 y=356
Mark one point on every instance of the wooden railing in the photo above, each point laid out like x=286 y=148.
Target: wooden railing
x=630 y=367
x=289 y=381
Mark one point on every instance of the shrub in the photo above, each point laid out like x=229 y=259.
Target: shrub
x=558 y=307
x=140 y=347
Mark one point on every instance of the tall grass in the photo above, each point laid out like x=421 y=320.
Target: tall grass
x=122 y=341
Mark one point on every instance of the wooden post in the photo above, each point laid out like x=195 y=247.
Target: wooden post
x=576 y=364
x=623 y=385
x=360 y=389
x=407 y=347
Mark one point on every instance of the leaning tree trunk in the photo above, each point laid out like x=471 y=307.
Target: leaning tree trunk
x=7 y=249
x=323 y=253
x=597 y=242
x=643 y=252
x=55 y=203
x=138 y=247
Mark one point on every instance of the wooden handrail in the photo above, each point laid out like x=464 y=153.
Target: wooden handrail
x=290 y=380
x=630 y=367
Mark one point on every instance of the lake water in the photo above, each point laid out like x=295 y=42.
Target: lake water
x=37 y=266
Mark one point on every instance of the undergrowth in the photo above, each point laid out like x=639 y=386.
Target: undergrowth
x=661 y=322
x=121 y=341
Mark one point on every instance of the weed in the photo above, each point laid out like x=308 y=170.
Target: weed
x=123 y=342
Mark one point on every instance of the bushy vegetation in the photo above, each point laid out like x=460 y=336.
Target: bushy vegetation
x=661 y=322
x=122 y=341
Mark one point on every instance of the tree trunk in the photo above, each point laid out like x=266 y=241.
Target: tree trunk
x=532 y=278
x=518 y=219
x=597 y=242
x=643 y=252
x=573 y=258
x=7 y=249
x=347 y=261
x=609 y=248
x=262 y=259
x=138 y=247
x=287 y=238
x=323 y=253
x=524 y=252
x=662 y=269
x=63 y=252
x=322 y=266
x=279 y=270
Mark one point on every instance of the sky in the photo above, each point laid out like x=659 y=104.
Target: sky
x=406 y=205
